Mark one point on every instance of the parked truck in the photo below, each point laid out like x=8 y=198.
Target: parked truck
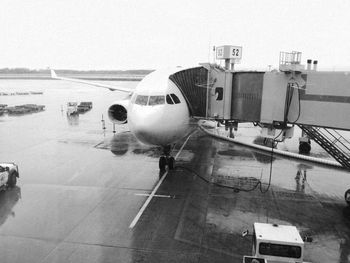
x=8 y=175
x=275 y=243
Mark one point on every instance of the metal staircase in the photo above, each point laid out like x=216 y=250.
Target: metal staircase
x=332 y=141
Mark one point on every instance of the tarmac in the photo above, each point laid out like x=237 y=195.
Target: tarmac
x=82 y=192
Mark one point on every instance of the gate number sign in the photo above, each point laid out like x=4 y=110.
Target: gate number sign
x=229 y=52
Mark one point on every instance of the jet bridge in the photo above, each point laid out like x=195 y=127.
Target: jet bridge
x=311 y=98
x=275 y=100
x=317 y=101
x=314 y=98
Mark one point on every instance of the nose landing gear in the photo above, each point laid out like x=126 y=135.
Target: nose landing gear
x=166 y=160
x=347 y=197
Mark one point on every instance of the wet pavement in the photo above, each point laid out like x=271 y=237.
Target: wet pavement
x=80 y=188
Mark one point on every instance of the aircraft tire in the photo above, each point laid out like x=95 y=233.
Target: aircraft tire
x=162 y=163
x=171 y=163
x=12 y=181
x=274 y=144
x=347 y=197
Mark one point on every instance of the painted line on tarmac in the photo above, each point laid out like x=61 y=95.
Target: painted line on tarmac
x=143 y=208
x=165 y=196
x=177 y=155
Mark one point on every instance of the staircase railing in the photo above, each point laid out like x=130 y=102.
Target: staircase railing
x=332 y=141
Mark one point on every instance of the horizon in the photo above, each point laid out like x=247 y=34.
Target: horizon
x=67 y=69
x=341 y=69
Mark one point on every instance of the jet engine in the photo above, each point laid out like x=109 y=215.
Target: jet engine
x=118 y=112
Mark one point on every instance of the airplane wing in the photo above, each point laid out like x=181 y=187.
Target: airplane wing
x=112 y=88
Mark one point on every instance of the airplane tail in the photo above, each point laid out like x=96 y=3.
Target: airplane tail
x=53 y=74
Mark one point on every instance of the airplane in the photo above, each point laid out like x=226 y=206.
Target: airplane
x=156 y=111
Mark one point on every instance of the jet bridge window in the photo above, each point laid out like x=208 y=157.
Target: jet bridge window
x=141 y=100
x=156 y=100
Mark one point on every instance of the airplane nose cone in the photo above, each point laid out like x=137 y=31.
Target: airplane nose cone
x=145 y=127
x=157 y=126
x=142 y=132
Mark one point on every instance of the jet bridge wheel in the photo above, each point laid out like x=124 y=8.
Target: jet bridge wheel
x=304 y=147
x=347 y=197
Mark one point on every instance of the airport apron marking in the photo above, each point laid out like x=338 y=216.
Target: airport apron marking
x=143 y=208
x=165 y=196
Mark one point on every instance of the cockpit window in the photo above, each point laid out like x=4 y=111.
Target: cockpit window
x=169 y=100
x=156 y=100
x=141 y=100
x=175 y=98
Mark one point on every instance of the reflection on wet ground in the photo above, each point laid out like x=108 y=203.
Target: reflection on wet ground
x=81 y=187
x=124 y=143
x=214 y=194
x=73 y=120
x=8 y=200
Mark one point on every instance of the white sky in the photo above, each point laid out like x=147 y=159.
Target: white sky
x=130 y=34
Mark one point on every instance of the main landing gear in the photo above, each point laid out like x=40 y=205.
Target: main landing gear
x=166 y=160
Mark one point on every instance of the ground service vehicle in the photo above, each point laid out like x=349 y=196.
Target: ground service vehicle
x=72 y=108
x=84 y=106
x=8 y=175
x=276 y=243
